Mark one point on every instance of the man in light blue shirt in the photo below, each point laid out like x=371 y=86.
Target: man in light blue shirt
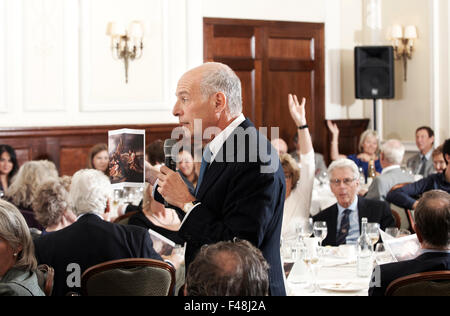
x=343 y=218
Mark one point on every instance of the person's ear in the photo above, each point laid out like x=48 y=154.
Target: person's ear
x=220 y=101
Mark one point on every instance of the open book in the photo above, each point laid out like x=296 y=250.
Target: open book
x=161 y=244
x=402 y=248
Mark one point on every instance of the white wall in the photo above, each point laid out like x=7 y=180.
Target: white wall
x=56 y=67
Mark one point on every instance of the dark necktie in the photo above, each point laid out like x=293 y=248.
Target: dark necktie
x=423 y=165
x=203 y=168
x=345 y=227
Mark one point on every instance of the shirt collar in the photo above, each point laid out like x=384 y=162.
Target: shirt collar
x=89 y=213
x=433 y=251
x=216 y=144
x=428 y=154
x=387 y=169
x=352 y=207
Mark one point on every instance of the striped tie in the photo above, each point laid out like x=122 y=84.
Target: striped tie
x=345 y=227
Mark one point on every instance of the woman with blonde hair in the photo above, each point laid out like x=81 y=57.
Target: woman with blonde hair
x=51 y=206
x=23 y=190
x=369 y=149
x=17 y=261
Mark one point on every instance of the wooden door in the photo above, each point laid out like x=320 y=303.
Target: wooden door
x=273 y=59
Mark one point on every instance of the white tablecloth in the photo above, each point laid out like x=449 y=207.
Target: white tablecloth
x=334 y=273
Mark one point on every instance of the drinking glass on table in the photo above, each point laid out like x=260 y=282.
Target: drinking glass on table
x=372 y=231
x=392 y=231
x=305 y=229
x=320 y=231
x=310 y=257
x=403 y=232
x=382 y=256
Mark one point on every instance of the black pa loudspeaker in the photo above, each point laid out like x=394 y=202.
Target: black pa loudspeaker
x=374 y=72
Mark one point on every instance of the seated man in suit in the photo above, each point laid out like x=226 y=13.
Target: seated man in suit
x=391 y=157
x=90 y=240
x=432 y=217
x=421 y=163
x=406 y=196
x=343 y=218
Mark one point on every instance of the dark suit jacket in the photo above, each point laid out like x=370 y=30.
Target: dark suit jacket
x=375 y=211
x=241 y=198
x=431 y=261
x=90 y=241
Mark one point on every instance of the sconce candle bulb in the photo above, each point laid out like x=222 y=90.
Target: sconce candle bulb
x=126 y=44
x=403 y=44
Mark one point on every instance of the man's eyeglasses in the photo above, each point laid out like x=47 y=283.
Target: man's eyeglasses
x=346 y=181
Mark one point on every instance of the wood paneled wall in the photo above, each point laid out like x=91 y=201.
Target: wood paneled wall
x=68 y=147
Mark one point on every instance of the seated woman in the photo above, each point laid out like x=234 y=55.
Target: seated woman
x=51 y=206
x=23 y=190
x=406 y=196
x=369 y=147
x=155 y=216
x=17 y=261
x=186 y=167
x=298 y=193
x=99 y=158
x=8 y=167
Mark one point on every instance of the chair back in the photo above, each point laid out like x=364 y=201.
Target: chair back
x=398 y=221
x=434 y=283
x=45 y=275
x=129 y=277
x=123 y=219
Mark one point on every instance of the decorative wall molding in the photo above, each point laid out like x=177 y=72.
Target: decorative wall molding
x=87 y=104
x=3 y=73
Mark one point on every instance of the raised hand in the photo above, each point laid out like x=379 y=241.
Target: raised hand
x=297 y=110
x=333 y=127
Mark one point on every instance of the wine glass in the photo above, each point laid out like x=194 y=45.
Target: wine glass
x=323 y=177
x=320 y=231
x=392 y=231
x=310 y=257
x=305 y=229
x=403 y=232
x=372 y=231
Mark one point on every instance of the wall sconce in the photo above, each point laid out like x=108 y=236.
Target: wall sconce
x=126 y=44
x=403 y=44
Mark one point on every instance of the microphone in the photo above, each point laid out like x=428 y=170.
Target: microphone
x=169 y=160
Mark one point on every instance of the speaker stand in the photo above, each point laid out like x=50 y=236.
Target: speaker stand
x=374 y=114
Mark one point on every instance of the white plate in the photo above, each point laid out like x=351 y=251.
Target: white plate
x=343 y=287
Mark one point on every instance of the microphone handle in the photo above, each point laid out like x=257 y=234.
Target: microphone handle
x=171 y=164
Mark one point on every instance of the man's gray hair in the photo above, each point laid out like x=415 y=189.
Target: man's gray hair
x=393 y=151
x=344 y=163
x=223 y=79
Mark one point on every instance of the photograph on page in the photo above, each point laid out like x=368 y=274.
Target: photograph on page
x=126 y=149
x=162 y=245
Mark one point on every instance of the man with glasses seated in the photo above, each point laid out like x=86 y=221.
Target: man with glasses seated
x=343 y=218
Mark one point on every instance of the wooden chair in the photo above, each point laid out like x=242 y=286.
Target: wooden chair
x=129 y=277
x=45 y=275
x=395 y=187
x=398 y=221
x=434 y=283
x=123 y=219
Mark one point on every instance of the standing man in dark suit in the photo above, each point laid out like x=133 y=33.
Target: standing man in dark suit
x=432 y=225
x=90 y=240
x=241 y=187
x=343 y=218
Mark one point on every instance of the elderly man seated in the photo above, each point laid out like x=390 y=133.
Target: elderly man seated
x=343 y=218
x=391 y=157
x=432 y=218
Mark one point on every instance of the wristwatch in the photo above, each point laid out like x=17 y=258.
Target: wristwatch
x=187 y=207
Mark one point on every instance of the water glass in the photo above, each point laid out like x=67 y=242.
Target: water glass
x=372 y=231
x=320 y=231
x=305 y=229
x=392 y=231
